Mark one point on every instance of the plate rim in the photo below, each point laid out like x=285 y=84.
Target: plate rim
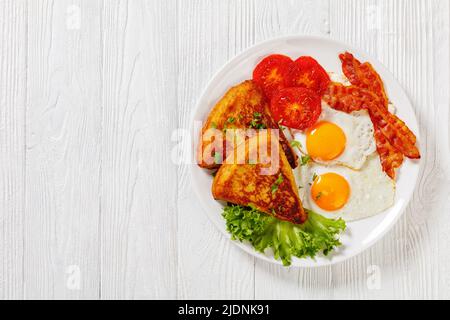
x=193 y=147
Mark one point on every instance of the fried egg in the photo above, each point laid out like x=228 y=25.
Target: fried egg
x=338 y=138
x=336 y=191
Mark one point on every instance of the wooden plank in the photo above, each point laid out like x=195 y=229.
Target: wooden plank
x=61 y=257
x=402 y=35
x=88 y=189
x=438 y=203
x=210 y=33
x=12 y=145
x=138 y=189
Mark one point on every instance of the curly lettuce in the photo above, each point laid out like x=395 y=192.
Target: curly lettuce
x=317 y=235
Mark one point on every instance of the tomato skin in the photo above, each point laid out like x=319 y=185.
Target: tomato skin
x=271 y=73
x=306 y=72
x=296 y=107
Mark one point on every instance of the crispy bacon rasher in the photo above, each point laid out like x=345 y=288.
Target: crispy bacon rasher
x=363 y=75
x=390 y=157
x=393 y=138
x=352 y=98
x=395 y=130
x=347 y=98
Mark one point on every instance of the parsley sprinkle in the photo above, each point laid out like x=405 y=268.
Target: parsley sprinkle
x=213 y=125
x=277 y=183
x=256 y=125
x=318 y=195
x=314 y=177
x=305 y=160
x=256 y=121
x=296 y=144
x=230 y=120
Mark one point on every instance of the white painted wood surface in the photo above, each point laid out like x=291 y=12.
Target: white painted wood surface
x=91 y=205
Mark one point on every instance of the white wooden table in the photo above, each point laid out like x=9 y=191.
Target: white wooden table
x=91 y=205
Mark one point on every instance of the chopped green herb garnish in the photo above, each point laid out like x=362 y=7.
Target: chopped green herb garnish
x=213 y=125
x=230 y=120
x=256 y=121
x=277 y=183
x=319 y=195
x=304 y=160
x=256 y=125
x=296 y=144
x=314 y=177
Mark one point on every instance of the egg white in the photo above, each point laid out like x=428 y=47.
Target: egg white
x=371 y=190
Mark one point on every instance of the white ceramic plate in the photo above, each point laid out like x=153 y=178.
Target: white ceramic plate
x=359 y=235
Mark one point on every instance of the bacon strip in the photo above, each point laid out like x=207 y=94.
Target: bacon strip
x=390 y=157
x=347 y=98
x=395 y=130
x=393 y=138
x=363 y=75
x=352 y=98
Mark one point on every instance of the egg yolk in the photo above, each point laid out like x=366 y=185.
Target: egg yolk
x=325 y=141
x=330 y=191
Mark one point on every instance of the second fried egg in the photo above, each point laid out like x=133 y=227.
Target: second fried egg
x=335 y=191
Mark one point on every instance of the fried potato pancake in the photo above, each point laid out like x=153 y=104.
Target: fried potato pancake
x=267 y=187
x=244 y=106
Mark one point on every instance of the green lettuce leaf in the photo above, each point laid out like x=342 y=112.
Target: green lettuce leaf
x=317 y=235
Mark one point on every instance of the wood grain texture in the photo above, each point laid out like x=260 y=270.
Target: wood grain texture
x=12 y=145
x=209 y=266
x=138 y=178
x=91 y=95
x=61 y=251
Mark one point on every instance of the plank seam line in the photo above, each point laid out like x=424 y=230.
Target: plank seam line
x=25 y=144
x=100 y=169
